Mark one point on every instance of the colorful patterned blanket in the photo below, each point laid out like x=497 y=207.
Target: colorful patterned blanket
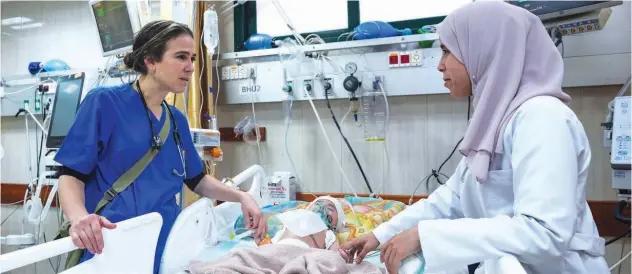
x=366 y=215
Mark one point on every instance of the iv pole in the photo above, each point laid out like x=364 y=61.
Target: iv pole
x=33 y=207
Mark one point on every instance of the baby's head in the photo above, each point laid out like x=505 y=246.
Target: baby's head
x=330 y=211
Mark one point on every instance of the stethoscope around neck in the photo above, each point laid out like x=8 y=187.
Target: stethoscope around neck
x=156 y=141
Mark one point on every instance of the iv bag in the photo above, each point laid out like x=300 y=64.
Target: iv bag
x=211 y=31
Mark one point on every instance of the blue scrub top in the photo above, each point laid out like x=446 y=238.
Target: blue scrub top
x=110 y=133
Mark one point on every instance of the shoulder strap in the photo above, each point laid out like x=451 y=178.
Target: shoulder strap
x=131 y=174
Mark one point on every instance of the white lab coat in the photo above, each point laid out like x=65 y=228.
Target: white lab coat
x=532 y=207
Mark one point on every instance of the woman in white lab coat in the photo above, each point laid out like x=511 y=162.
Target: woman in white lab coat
x=520 y=188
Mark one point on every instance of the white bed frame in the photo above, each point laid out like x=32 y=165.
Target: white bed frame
x=130 y=248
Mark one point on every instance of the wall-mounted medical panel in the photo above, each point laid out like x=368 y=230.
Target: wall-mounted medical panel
x=406 y=70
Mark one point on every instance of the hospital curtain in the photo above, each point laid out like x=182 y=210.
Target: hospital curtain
x=199 y=98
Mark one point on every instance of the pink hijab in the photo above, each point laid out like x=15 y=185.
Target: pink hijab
x=510 y=59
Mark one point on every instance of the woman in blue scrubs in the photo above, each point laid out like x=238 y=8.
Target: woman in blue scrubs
x=114 y=128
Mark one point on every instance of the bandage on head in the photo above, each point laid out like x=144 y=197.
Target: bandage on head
x=320 y=208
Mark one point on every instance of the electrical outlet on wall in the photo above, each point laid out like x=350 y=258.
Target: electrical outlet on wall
x=225 y=73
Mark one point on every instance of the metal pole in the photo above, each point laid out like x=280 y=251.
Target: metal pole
x=28 y=147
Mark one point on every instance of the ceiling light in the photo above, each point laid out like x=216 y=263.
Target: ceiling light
x=27 y=26
x=16 y=20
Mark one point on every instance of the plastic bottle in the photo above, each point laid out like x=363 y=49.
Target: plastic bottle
x=211 y=30
x=374 y=108
x=377 y=29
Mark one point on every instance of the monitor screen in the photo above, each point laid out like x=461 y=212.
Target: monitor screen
x=67 y=98
x=114 y=25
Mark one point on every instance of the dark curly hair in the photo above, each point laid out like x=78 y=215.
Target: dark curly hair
x=151 y=41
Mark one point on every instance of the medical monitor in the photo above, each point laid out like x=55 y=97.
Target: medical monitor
x=65 y=106
x=116 y=23
x=547 y=10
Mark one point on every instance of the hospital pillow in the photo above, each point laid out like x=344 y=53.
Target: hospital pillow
x=366 y=215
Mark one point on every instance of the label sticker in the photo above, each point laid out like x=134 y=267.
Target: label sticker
x=248 y=89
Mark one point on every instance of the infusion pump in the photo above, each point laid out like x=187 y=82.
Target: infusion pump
x=620 y=158
x=206 y=142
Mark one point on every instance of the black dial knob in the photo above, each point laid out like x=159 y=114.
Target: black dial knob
x=351 y=83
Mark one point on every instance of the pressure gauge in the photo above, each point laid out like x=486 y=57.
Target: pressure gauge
x=351 y=68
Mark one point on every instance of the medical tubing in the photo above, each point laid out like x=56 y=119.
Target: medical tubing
x=254 y=117
x=322 y=127
x=388 y=167
x=28 y=141
x=10 y=214
x=620 y=261
x=388 y=113
x=625 y=87
x=618 y=210
x=41 y=145
x=437 y=172
x=219 y=82
x=410 y=201
x=288 y=23
x=287 y=130
x=618 y=237
x=469 y=108
x=333 y=116
x=201 y=74
x=345 y=117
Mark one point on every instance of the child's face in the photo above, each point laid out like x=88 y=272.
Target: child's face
x=327 y=211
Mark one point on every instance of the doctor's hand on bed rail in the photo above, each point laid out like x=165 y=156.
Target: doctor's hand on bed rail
x=85 y=232
x=355 y=250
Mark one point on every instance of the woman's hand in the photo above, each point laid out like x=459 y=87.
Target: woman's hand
x=358 y=248
x=85 y=232
x=253 y=217
x=400 y=247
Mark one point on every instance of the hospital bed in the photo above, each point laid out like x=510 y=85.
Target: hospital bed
x=197 y=235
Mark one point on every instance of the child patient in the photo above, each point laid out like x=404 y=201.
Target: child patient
x=315 y=227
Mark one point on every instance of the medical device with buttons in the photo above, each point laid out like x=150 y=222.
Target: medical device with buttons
x=617 y=137
x=206 y=142
x=620 y=158
x=571 y=17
